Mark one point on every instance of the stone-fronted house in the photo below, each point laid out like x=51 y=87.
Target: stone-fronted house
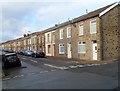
x=89 y=37
x=41 y=41
x=34 y=41
x=110 y=32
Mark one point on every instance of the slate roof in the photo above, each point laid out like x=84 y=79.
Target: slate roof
x=81 y=18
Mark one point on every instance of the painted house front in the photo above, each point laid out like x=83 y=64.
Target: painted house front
x=50 y=43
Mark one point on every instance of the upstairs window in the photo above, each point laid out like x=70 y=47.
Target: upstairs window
x=93 y=28
x=61 y=33
x=48 y=37
x=81 y=29
x=68 y=32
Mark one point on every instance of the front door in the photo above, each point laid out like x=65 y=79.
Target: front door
x=94 y=50
x=69 y=50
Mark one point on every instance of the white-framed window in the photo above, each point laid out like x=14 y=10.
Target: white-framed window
x=68 y=32
x=61 y=48
x=43 y=39
x=93 y=27
x=48 y=37
x=35 y=40
x=39 y=40
x=81 y=29
x=49 y=49
x=24 y=42
x=81 y=47
x=30 y=41
x=61 y=33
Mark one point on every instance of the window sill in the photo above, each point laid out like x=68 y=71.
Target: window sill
x=81 y=52
x=61 y=53
x=93 y=33
x=81 y=35
x=69 y=37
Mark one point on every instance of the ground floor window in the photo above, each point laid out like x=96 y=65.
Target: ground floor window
x=61 y=48
x=49 y=49
x=81 y=47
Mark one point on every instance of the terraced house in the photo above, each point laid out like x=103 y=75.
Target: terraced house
x=93 y=36
x=34 y=41
x=50 y=42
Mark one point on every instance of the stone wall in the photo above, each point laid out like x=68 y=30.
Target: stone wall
x=75 y=38
x=110 y=26
x=87 y=38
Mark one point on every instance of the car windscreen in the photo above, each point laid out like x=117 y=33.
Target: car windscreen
x=11 y=57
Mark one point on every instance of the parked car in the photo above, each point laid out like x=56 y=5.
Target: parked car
x=9 y=51
x=21 y=52
x=28 y=53
x=38 y=54
x=9 y=59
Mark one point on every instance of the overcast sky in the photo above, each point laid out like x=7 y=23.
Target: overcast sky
x=18 y=17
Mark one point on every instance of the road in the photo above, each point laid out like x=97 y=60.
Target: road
x=46 y=73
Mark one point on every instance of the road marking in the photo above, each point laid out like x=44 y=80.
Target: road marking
x=96 y=64
x=15 y=77
x=49 y=65
x=64 y=68
x=81 y=66
x=45 y=71
x=23 y=58
x=89 y=64
x=21 y=76
x=73 y=66
x=61 y=68
x=6 y=79
x=53 y=70
x=31 y=74
x=33 y=61
x=41 y=72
